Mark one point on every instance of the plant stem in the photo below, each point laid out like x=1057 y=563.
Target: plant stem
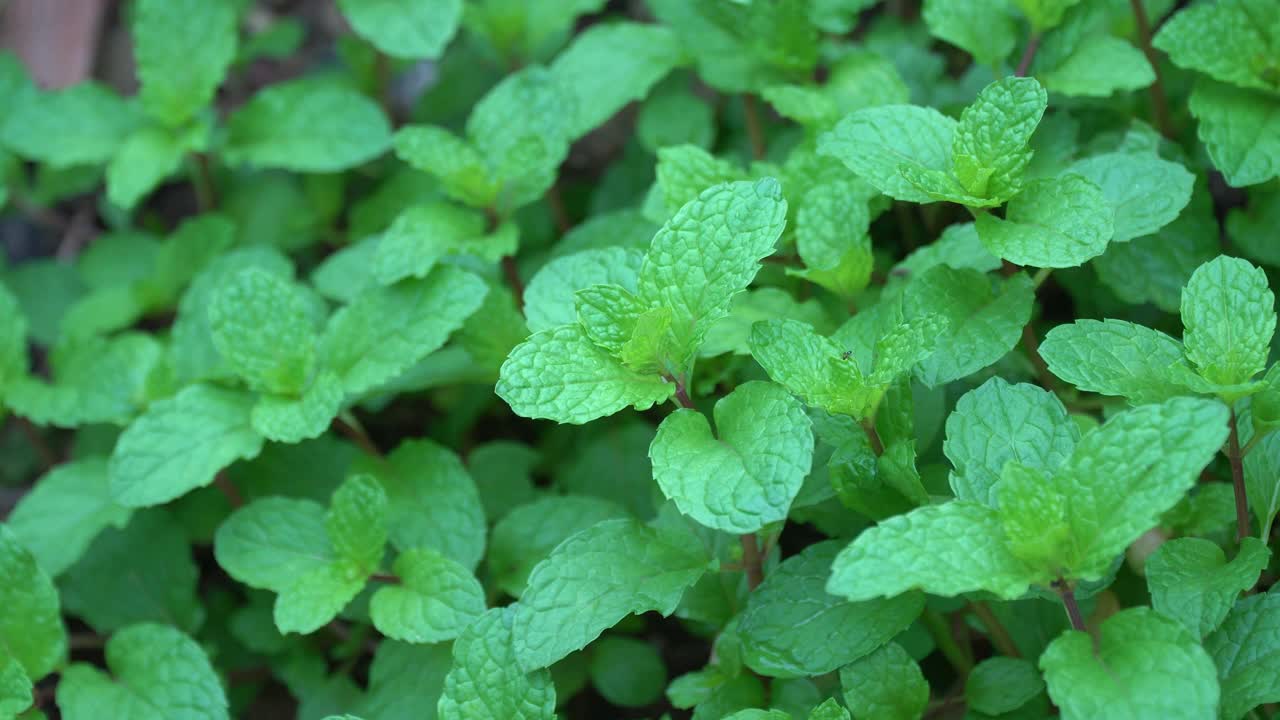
x=202 y=181
x=682 y=394
x=755 y=133
x=1033 y=44
x=512 y=273
x=946 y=642
x=1000 y=637
x=555 y=201
x=47 y=459
x=1041 y=275
x=873 y=436
x=752 y=560
x=1237 y=479
x=1253 y=441
x=228 y=489
x=385 y=578
x=347 y=425
x=1069 y=602
x=1159 y=103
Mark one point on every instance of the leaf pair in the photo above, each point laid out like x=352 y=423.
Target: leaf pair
x=317 y=560
x=630 y=338
x=1228 y=312
x=1060 y=509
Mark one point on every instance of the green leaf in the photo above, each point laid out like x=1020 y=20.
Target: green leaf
x=1192 y=582
x=1229 y=314
x=180 y=443
x=423 y=234
x=1249 y=227
x=985 y=319
x=1141 y=665
x=1194 y=39
x=990 y=148
x=627 y=672
x=1244 y=649
x=1145 y=192
x=293 y=419
x=264 y=327
x=811 y=366
x=946 y=549
x=15 y=687
x=386 y=330
x=432 y=501
x=405 y=681
x=356 y=522
x=65 y=510
x=81 y=125
x=182 y=49
x=307 y=126
x=530 y=532
x=685 y=171
x=145 y=159
x=745 y=476
x=877 y=143
x=1262 y=479
x=999 y=685
x=1098 y=66
x=594 y=579
x=158 y=673
x=1054 y=222
x=434 y=600
x=549 y=298
x=793 y=628
x=559 y=374
x=1124 y=474
x=885 y=685
x=997 y=423
x=485 y=681
x=1044 y=14
x=31 y=630
x=1238 y=127
x=143 y=572
x=637 y=55
x=13 y=341
x=1114 y=357
x=403 y=29
x=829 y=710
x=461 y=170
x=986 y=29
x=732 y=333
x=1033 y=510
x=708 y=253
x=831 y=238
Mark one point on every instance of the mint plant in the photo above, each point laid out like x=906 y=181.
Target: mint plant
x=760 y=360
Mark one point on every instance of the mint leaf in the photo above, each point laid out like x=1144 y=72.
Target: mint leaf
x=435 y=599
x=986 y=29
x=264 y=327
x=81 y=125
x=13 y=341
x=877 y=143
x=145 y=159
x=1114 y=357
x=1142 y=664
x=946 y=549
x=421 y=235
x=829 y=710
x=179 y=443
x=999 y=685
x=15 y=687
x=684 y=172
x=559 y=374
x=432 y=501
x=65 y=510
x=549 y=297
x=1044 y=14
x=31 y=630
x=386 y=330
x=182 y=50
x=1238 y=128
x=405 y=681
x=745 y=476
x=1097 y=66
x=885 y=685
x=1054 y=222
x=990 y=148
x=1195 y=37
x=1244 y=649
x=307 y=126
x=1262 y=478
x=1192 y=582
x=998 y=423
x=158 y=673
x=462 y=171
x=1229 y=313
x=809 y=365
x=293 y=419
x=485 y=681
x=627 y=672
x=828 y=218
x=793 y=628
x=709 y=252
x=143 y=572
x=1124 y=474
x=530 y=532
x=404 y=29
x=1145 y=192
x=637 y=55
x=984 y=319
x=594 y=579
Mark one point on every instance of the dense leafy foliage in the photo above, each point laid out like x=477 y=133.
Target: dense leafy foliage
x=752 y=359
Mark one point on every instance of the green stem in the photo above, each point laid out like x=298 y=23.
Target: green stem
x=1024 y=65
x=1159 y=103
x=752 y=560
x=1237 y=479
x=996 y=630
x=946 y=642
x=1041 y=275
x=755 y=132
x=347 y=424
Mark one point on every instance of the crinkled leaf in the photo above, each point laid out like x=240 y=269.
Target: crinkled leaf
x=1054 y=222
x=486 y=682
x=1246 y=649
x=182 y=49
x=1114 y=357
x=1229 y=313
x=31 y=630
x=404 y=29
x=885 y=685
x=435 y=599
x=877 y=143
x=1192 y=582
x=1144 y=191
x=530 y=532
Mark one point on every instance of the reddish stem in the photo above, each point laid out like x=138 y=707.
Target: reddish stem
x=1033 y=44
x=1243 y=528
x=752 y=561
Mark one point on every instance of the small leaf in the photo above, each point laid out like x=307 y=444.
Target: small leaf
x=65 y=510
x=434 y=601
x=485 y=681
x=627 y=672
x=877 y=143
x=183 y=49
x=263 y=326
x=999 y=685
x=411 y=30
x=1192 y=582
x=1145 y=192
x=31 y=630
x=1244 y=649
x=530 y=532
x=1229 y=313
x=1054 y=222
x=1114 y=357
x=885 y=685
